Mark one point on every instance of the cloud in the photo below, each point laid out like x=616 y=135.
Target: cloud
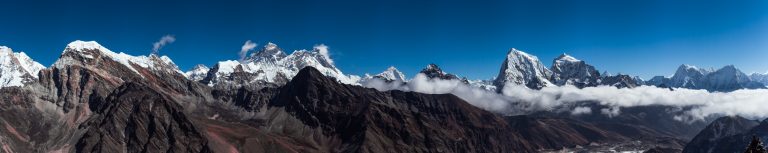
x=515 y=99
x=581 y=110
x=610 y=112
x=421 y=83
x=746 y=102
x=323 y=50
x=167 y=39
x=244 y=50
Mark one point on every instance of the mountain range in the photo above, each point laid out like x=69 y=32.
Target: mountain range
x=95 y=100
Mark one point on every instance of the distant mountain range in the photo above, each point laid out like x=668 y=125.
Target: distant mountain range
x=95 y=100
x=268 y=66
x=271 y=66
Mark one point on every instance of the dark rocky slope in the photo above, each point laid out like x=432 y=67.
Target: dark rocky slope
x=135 y=118
x=356 y=119
x=728 y=134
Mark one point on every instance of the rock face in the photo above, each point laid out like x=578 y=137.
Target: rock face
x=711 y=137
x=568 y=70
x=620 y=81
x=521 y=68
x=135 y=118
x=16 y=68
x=433 y=71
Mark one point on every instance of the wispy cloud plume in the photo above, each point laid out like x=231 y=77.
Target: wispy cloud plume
x=323 y=50
x=244 y=50
x=167 y=39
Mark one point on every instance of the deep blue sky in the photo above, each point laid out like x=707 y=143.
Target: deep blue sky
x=470 y=38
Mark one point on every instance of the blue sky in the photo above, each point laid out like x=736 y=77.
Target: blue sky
x=470 y=38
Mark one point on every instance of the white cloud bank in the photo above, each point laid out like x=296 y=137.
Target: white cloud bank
x=751 y=103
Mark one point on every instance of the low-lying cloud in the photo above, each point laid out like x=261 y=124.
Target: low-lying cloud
x=421 y=83
x=747 y=102
x=167 y=39
x=515 y=99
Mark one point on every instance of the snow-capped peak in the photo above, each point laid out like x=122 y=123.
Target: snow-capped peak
x=270 y=54
x=568 y=70
x=433 y=67
x=270 y=46
x=197 y=73
x=687 y=66
x=566 y=58
x=90 y=50
x=16 y=69
x=79 y=45
x=392 y=74
x=434 y=71
x=523 y=69
x=692 y=68
x=725 y=79
x=687 y=76
x=272 y=65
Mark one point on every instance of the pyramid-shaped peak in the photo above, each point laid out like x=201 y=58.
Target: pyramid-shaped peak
x=270 y=46
x=392 y=74
x=432 y=68
x=392 y=68
x=310 y=74
x=566 y=57
x=270 y=52
x=518 y=55
x=515 y=51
